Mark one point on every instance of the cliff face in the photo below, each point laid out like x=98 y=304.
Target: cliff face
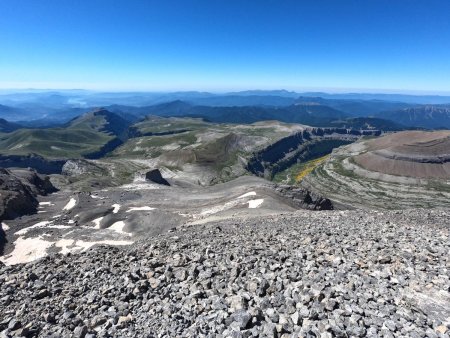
x=41 y=164
x=18 y=191
x=302 y=146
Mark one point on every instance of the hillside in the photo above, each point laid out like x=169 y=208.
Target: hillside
x=196 y=150
x=100 y=120
x=408 y=169
x=7 y=127
x=83 y=136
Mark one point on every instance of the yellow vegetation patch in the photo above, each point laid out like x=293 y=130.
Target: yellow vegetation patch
x=309 y=167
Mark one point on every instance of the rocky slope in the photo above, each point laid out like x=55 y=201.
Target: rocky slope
x=75 y=221
x=19 y=190
x=302 y=274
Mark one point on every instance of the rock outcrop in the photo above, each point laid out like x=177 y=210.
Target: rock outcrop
x=305 y=199
x=39 y=163
x=18 y=191
x=156 y=177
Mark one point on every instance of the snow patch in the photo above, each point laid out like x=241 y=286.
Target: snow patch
x=29 y=249
x=145 y=208
x=44 y=224
x=5 y=226
x=45 y=203
x=118 y=227
x=97 y=222
x=64 y=244
x=219 y=208
x=255 y=203
x=70 y=204
x=251 y=193
x=116 y=208
x=25 y=230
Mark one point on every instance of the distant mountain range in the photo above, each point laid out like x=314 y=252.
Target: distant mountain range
x=355 y=107
x=38 y=109
x=428 y=116
x=317 y=115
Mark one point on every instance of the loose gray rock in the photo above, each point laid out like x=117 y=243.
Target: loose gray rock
x=302 y=274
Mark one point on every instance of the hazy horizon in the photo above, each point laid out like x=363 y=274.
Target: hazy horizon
x=328 y=91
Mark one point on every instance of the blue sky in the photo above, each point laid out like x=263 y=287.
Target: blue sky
x=218 y=45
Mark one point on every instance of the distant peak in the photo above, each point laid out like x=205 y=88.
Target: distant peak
x=100 y=111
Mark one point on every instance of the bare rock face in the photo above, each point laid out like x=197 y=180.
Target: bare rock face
x=156 y=177
x=18 y=191
x=39 y=163
x=78 y=167
x=39 y=184
x=305 y=199
x=16 y=198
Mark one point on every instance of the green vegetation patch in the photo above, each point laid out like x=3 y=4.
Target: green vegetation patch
x=53 y=142
x=152 y=146
x=163 y=125
x=298 y=171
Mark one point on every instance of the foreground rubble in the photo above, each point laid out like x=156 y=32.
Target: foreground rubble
x=301 y=274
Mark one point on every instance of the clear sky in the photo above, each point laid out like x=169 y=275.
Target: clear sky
x=220 y=45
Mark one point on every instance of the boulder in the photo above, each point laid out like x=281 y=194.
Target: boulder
x=156 y=177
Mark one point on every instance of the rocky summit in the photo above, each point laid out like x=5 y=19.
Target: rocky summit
x=296 y=274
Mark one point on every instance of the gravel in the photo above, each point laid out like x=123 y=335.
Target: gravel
x=301 y=274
